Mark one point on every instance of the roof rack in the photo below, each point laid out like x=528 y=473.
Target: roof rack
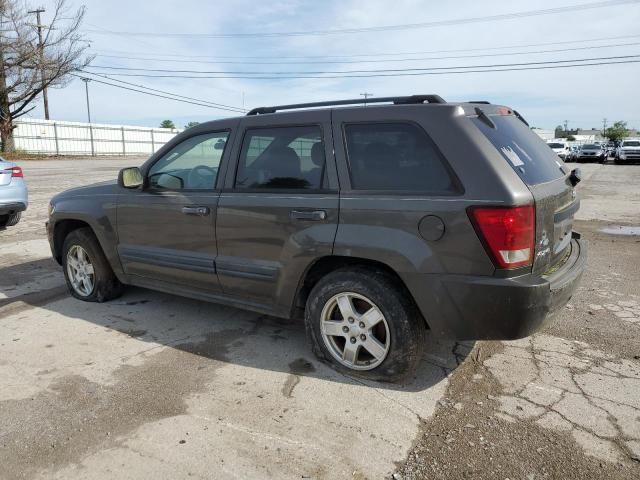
x=412 y=99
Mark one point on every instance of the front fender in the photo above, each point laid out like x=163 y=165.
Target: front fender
x=98 y=211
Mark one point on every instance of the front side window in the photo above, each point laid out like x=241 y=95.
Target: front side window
x=396 y=156
x=282 y=158
x=191 y=165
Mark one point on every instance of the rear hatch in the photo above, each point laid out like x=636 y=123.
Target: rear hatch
x=5 y=173
x=543 y=173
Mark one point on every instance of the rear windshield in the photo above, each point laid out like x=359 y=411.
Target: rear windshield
x=590 y=147
x=528 y=154
x=556 y=145
x=631 y=144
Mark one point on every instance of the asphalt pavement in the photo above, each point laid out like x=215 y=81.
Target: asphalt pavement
x=156 y=385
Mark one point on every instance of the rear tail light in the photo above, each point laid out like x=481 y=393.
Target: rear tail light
x=508 y=233
x=16 y=172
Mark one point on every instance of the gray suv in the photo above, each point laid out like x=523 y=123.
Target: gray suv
x=377 y=224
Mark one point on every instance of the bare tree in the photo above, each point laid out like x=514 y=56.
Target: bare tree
x=28 y=66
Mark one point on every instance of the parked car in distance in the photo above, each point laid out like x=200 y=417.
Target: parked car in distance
x=561 y=149
x=590 y=152
x=628 y=151
x=573 y=151
x=448 y=219
x=14 y=197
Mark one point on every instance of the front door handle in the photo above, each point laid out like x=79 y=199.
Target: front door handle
x=308 y=215
x=199 y=211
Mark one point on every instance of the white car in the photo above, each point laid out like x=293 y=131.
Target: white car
x=13 y=194
x=561 y=149
x=628 y=151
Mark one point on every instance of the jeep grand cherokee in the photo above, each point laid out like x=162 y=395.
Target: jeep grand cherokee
x=376 y=225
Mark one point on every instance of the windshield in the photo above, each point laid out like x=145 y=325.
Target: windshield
x=633 y=143
x=556 y=145
x=590 y=146
x=527 y=153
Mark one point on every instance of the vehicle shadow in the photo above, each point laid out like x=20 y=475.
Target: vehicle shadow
x=224 y=334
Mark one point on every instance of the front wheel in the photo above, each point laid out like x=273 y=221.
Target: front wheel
x=87 y=272
x=364 y=324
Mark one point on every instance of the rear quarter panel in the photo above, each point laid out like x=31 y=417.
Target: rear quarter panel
x=384 y=225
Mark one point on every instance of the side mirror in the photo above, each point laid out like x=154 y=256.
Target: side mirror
x=575 y=177
x=130 y=177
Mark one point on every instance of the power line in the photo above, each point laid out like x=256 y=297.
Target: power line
x=242 y=62
x=347 y=72
x=238 y=109
x=404 y=74
x=383 y=28
x=378 y=54
x=155 y=94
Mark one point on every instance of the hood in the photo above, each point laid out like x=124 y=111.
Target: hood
x=101 y=188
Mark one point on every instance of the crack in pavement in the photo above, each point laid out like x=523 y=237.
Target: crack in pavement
x=555 y=385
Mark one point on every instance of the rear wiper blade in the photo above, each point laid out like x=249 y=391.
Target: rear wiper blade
x=520 y=117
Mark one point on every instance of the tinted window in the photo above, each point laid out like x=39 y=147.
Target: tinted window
x=556 y=145
x=190 y=165
x=527 y=153
x=395 y=156
x=631 y=143
x=284 y=157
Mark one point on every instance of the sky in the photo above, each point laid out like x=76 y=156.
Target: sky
x=546 y=98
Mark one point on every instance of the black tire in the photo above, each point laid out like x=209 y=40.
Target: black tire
x=13 y=219
x=106 y=285
x=407 y=329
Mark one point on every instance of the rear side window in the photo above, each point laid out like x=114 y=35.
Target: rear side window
x=396 y=156
x=282 y=158
x=528 y=154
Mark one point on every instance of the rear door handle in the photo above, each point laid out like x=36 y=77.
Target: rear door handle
x=199 y=211
x=308 y=215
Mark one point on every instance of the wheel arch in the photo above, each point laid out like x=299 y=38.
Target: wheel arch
x=63 y=228
x=325 y=265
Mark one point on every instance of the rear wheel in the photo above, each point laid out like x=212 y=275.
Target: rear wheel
x=87 y=272
x=363 y=324
x=9 y=220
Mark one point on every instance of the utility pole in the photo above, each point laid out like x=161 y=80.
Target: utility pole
x=86 y=88
x=366 y=95
x=604 y=127
x=39 y=26
x=566 y=124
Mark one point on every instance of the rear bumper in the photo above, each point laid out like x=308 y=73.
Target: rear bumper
x=490 y=308
x=11 y=208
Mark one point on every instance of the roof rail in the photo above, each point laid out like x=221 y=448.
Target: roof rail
x=412 y=99
x=483 y=102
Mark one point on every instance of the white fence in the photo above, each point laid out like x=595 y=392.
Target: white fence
x=50 y=137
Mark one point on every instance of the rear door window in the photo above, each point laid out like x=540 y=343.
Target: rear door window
x=396 y=157
x=528 y=154
x=282 y=158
